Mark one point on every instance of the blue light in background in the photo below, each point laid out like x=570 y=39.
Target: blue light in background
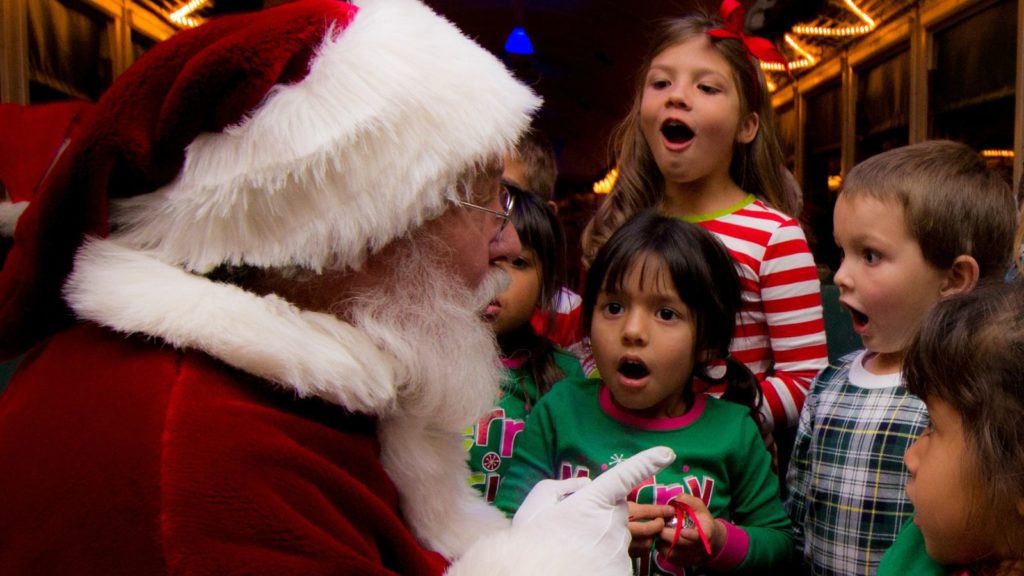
x=518 y=42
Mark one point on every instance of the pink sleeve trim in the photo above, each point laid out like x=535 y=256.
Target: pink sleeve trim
x=734 y=551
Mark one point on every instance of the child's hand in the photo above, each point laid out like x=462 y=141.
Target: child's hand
x=646 y=522
x=690 y=550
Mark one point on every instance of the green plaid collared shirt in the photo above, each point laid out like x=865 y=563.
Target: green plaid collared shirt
x=846 y=478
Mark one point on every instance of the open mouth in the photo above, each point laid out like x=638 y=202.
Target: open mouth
x=633 y=369
x=676 y=132
x=859 y=318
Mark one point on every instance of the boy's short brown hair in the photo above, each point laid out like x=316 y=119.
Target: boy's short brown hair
x=953 y=204
x=537 y=155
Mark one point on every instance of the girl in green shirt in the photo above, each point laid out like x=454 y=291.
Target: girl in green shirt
x=659 y=305
x=967 y=468
x=532 y=362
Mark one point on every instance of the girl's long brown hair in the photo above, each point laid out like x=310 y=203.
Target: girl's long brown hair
x=755 y=166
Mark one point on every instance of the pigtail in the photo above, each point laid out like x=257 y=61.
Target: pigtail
x=541 y=361
x=741 y=385
x=546 y=373
x=537 y=353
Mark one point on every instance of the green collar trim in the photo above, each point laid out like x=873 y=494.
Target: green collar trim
x=747 y=201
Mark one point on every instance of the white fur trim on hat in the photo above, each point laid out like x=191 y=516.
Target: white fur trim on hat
x=311 y=353
x=366 y=147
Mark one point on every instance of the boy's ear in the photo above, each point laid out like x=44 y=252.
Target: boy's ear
x=748 y=128
x=962 y=276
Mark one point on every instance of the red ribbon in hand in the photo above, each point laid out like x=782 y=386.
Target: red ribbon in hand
x=682 y=511
x=734 y=15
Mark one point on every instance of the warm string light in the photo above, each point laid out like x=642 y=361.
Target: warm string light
x=793 y=65
x=807 y=59
x=181 y=15
x=867 y=26
x=188 y=22
x=833 y=32
x=604 y=185
x=860 y=13
x=799 y=49
x=997 y=153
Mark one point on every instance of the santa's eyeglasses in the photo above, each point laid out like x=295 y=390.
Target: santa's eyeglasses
x=506 y=200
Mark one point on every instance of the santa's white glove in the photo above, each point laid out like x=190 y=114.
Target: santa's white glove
x=593 y=515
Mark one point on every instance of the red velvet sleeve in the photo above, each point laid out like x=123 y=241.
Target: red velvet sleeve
x=122 y=455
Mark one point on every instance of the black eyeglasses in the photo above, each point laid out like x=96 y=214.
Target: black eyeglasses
x=507 y=201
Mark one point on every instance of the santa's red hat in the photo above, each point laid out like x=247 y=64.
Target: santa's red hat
x=310 y=133
x=31 y=136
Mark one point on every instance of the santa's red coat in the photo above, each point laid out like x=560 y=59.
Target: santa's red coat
x=187 y=426
x=124 y=455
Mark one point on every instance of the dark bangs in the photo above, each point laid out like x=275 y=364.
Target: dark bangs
x=702 y=272
x=539 y=230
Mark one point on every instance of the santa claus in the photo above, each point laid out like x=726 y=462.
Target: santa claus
x=250 y=289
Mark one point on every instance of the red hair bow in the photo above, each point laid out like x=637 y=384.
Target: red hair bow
x=734 y=15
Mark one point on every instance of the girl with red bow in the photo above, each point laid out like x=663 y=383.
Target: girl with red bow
x=699 y=143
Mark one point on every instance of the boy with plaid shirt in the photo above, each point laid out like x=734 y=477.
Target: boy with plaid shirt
x=916 y=224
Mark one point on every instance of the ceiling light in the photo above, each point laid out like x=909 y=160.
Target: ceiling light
x=997 y=153
x=605 y=185
x=181 y=15
x=867 y=26
x=518 y=42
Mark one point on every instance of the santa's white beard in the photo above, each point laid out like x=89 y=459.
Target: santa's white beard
x=447 y=356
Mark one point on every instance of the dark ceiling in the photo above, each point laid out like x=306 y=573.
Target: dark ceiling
x=586 y=57
x=587 y=53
